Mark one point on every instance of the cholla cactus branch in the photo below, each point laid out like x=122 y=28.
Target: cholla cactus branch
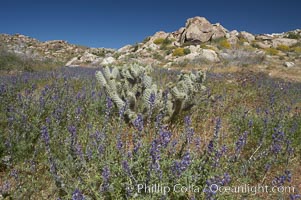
x=134 y=85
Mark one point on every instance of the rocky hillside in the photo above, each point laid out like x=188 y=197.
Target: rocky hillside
x=198 y=43
x=58 y=51
x=203 y=43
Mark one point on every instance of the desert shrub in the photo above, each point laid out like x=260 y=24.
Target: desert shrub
x=187 y=51
x=145 y=40
x=159 y=41
x=296 y=49
x=10 y=61
x=271 y=51
x=158 y=56
x=240 y=57
x=181 y=51
x=222 y=43
x=283 y=48
x=178 y=52
x=225 y=44
x=136 y=47
x=292 y=35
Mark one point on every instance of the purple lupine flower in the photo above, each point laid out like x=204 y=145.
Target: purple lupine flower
x=77 y=195
x=288 y=175
x=152 y=99
x=210 y=147
x=45 y=136
x=52 y=163
x=130 y=154
x=267 y=167
x=100 y=149
x=119 y=144
x=6 y=187
x=226 y=179
x=73 y=140
x=280 y=180
x=105 y=177
x=126 y=167
x=186 y=161
x=155 y=156
x=109 y=103
x=158 y=121
x=178 y=168
x=217 y=127
x=79 y=151
x=137 y=145
x=212 y=185
x=48 y=120
x=188 y=129
x=89 y=152
x=295 y=196
x=14 y=174
x=278 y=138
x=241 y=142
x=165 y=136
x=138 y=123
x=197 y=143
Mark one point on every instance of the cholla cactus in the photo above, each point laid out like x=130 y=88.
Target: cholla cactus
x=132 y=88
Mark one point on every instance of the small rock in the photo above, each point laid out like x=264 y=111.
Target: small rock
x=108 y=60
x=289 y=64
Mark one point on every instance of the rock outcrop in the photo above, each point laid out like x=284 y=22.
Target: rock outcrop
x=199 y=29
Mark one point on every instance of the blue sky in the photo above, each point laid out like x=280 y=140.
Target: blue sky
x=116 y=23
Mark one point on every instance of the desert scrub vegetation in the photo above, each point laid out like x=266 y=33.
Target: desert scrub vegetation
x=292 y=35
x=222 y=43
x=271 y=51
x=63 y=138
x=180 y=51
x=12 y=62
x=283 y=48
x=242 y=57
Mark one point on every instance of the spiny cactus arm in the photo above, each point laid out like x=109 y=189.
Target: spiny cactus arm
x=177 y=94
x=201 y=76
x=127 y=75
x=134 y=89
x=130 y=114
x=188 y=82
x=112 y=85
x=107 y=73
x=136 y=70
x=117 y=100
x=115 y=72
x=147 y=81
x=101 y=78
x=132 y=101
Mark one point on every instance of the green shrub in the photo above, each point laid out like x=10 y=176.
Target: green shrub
x=158 y=56
x=292 y=35
x=271 y=51
x=224 y=44
x=159 y=41
x=187 y=51
x=146 y=39
x=283 y=48
x=178 y=52
x=296 y=49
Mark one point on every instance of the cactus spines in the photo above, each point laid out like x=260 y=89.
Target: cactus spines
x=133 y=86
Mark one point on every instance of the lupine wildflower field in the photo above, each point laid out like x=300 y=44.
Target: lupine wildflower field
x=61 y=137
